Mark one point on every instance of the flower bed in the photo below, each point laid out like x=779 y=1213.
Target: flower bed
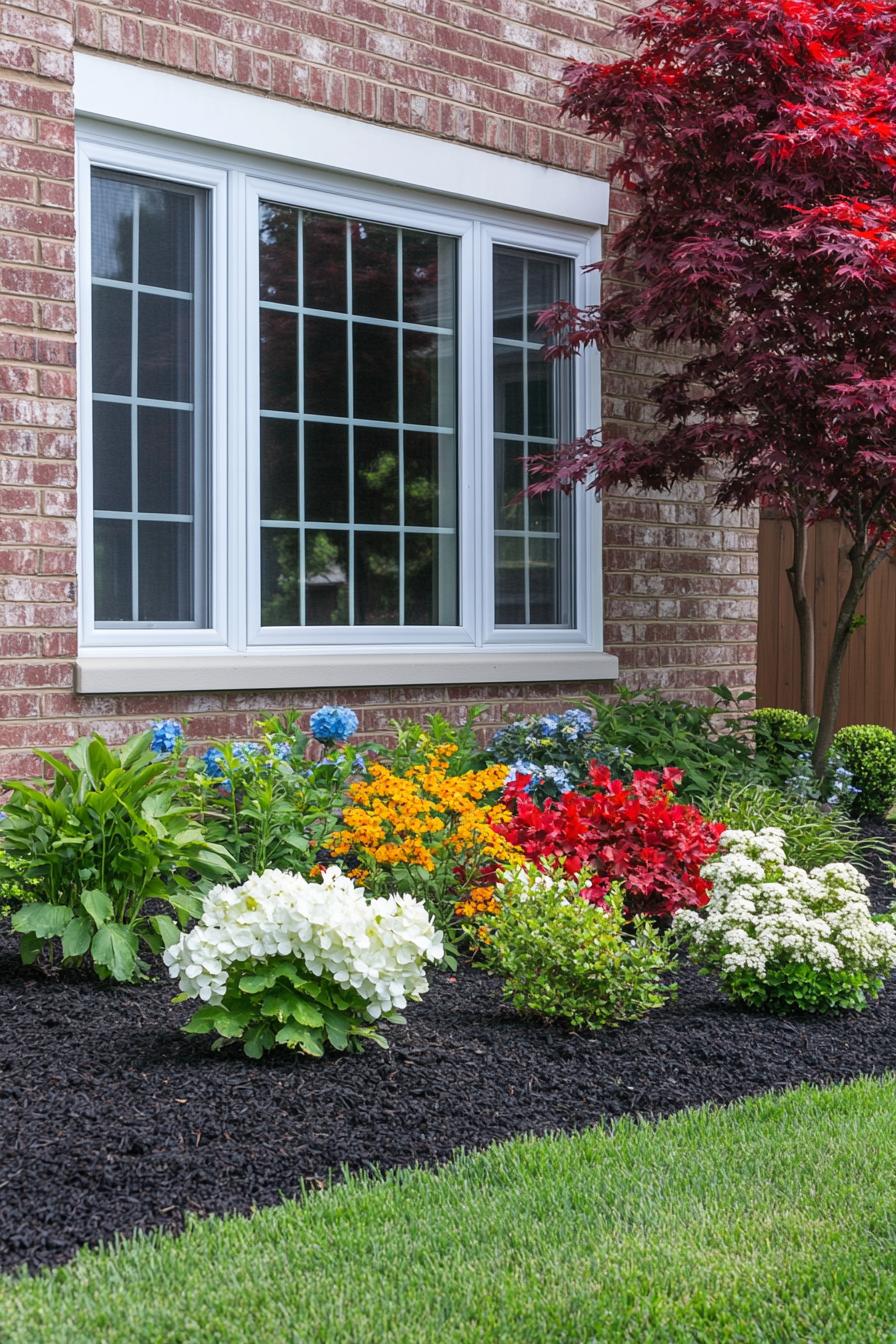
x=111 y=1119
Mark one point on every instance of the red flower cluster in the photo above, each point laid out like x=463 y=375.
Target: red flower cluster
x=636 y=834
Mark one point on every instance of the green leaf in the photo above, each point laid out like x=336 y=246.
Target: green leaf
x=232 y=1022
x=203 y=1020
x=77 y=936
x=42 y=919
x=286 y=1003
x=301 y=1038
x=115 y=947
x=166 y=928
x=337 y=1029
x=97 y=905
x=29 y=948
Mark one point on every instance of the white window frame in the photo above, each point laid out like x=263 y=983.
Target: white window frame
x=234 y=652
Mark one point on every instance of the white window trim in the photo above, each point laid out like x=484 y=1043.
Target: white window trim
x=224 y=656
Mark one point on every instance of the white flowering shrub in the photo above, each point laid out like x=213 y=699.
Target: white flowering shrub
x=284 y=961
x=782 y=938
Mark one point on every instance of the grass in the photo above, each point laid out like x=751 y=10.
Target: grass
x=770 y=1221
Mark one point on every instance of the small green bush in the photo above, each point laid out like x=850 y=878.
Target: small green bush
x=814 y=838
x=562 y=957
x=782 y=736
x=869 y=753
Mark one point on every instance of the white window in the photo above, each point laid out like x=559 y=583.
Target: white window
x=307 y=406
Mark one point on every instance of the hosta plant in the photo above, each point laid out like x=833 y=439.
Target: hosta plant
x=782 y=938
x=283 y=961
x=560 y=956
x=105 y=837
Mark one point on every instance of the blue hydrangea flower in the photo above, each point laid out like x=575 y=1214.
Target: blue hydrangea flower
x=548 y=724
x=576 y=723
x=282 y=751
x=214 y=760
x=557 y=776
x=166 y=734
x=244 y=751
x=333 y=723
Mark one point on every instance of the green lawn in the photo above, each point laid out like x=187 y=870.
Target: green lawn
x=772 y=1221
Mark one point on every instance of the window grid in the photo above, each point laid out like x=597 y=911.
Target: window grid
x=135 y=516
x=353 y=528
x=562 y=515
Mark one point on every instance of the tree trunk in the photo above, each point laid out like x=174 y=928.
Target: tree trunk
x=805 y=613
x=830 y=699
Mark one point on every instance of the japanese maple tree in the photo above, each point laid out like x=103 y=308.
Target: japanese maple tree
x=757 y=142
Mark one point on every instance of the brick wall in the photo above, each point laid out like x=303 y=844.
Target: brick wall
x=680 y=581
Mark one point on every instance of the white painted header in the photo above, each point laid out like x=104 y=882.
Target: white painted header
x=195 y=109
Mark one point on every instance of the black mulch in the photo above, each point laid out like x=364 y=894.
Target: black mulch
x=111 y=1120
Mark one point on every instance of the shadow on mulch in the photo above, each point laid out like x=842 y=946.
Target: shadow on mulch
x=111 y=1120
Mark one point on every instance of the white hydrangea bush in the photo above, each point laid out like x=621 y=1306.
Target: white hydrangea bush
x=783 y=938
x=284 y=960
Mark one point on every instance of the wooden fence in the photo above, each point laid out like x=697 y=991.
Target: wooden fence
x=869 y=678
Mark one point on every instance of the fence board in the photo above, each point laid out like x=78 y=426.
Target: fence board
x=869 y=675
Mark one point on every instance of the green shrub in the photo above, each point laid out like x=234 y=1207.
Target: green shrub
x=103 y=839
x=869 y=752
x=708 y=742
x=814 y=838
x=783 y=738
x=562 y=957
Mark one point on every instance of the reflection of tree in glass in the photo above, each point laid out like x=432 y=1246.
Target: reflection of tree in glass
x=325 y=579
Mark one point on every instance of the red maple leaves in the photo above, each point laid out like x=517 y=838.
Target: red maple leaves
x=759 y=141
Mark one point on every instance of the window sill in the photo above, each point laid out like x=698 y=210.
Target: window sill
x=251 y=672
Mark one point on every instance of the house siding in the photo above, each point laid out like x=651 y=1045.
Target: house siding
x=680 y=579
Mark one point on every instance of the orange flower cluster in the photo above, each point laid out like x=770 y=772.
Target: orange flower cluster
x=480 y=901
x=425 y=816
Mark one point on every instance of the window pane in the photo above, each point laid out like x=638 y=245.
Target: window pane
x=377 y=582
x=280 y=576
x=508 y=270
x=326 y=578
x=165 y=348
x=375 y=372
x=509 y=390
x=164 y=460
x=510 y=581
x=376 y=476
x=279 y=469
x=428 y=279
x=111 y=344
x=324 y=252
x=111 y=456
x=278 y=260
x=111 y=227
x=149 y=401
x=279 y=361
x=326 y=473
x=430 y=566
x=374 y=270
x=113 y=592
x=428 y=379
x=165 y=565
x=365 y=372
x=430 y=469
x=533 y=413
x=166 y=238
x=326 y=366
